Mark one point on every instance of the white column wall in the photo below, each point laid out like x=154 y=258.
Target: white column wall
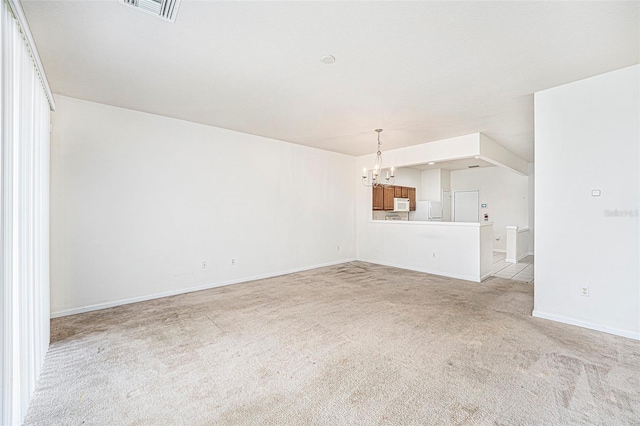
x=587 y=138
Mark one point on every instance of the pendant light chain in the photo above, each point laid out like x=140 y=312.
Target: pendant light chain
x=376 y=180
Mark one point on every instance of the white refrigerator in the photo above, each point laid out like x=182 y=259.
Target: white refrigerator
x=427 y=211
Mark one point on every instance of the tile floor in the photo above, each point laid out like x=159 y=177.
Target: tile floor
x=521 y=271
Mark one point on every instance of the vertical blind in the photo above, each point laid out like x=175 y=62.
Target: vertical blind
x=24 y=215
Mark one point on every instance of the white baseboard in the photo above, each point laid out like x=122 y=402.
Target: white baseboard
x=522 y=256
x=484 y=277
x=585 y=324
x=105 y=305
x=426 y=271
x=499 y=251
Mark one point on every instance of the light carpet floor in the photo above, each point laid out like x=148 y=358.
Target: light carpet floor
x=349 y=344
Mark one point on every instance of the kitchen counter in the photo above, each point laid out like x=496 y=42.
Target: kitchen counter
x=433 y=223
x=453 y=249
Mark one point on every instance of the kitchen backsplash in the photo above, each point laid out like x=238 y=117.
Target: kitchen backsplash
x=383 y=215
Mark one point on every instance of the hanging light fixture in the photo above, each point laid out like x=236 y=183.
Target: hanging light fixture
x=376 y=179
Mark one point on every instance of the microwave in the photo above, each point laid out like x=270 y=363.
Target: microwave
x=400 y=204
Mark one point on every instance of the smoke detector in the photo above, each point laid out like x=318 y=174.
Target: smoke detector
x=163 y=9
x=328 y=59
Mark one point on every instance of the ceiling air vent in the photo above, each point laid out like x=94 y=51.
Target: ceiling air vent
x=163 y=9
x=474 y=166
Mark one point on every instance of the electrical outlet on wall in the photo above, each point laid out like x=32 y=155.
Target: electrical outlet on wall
x=433 y=254
x=233 y=262
x=584 y=291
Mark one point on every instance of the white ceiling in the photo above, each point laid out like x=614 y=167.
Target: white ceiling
x=458 y=164
x=422 y=71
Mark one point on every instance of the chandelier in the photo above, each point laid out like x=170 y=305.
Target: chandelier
x=376 y=180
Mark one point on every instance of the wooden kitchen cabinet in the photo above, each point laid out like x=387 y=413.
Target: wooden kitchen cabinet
x=389 y=194
x=378 y=198
x=383 y=197
x=412 y=199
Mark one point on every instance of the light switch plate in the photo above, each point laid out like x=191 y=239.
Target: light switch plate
x=595 y=192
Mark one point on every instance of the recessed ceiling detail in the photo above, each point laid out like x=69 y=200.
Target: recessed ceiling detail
x=456 y=164
x=163 y=9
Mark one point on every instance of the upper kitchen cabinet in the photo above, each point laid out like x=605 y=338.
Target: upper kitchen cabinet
x=378 y=198
x=389 y=194
x=383 y=197
x=412 y=199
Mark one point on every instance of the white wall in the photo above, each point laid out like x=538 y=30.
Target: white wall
x=433 y=181
x=408 y=177
x=445 y=179
x=587 y=135
x=506 y=194
x=430 y=186
x=139 y=201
